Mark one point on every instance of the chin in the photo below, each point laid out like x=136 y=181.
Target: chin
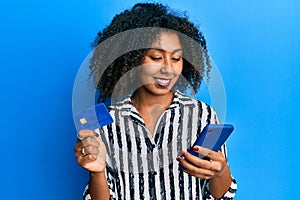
x=158 y=91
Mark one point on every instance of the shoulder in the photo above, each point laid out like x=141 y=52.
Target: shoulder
x=124 y=104
x=187 y=100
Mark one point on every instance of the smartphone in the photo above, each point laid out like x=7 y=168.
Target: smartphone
x=213 y=136
x=93 y=117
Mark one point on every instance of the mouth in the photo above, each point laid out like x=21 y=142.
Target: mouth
x=162 y=82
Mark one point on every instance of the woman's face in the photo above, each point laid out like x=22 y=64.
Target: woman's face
x=163 y=64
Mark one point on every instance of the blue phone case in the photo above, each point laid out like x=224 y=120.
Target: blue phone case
x=92 y=118
x=212 y=137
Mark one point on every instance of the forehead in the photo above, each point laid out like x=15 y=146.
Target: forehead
x=168 y=41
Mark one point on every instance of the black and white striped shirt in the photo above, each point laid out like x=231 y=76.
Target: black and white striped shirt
x=142 y=166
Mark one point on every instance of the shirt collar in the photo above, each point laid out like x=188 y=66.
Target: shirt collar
x=130 y=110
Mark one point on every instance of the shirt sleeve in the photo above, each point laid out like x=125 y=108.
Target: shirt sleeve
x=227 y=196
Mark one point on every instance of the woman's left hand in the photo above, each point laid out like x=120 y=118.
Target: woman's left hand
x=214 y=166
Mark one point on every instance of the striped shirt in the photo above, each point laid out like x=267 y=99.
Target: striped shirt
x=142 y=166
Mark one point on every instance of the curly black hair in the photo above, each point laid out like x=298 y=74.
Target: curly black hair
x=122 y=45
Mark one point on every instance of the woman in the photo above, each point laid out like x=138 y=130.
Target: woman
x=136 y=157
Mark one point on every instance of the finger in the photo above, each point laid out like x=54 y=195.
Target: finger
x=84 y=160
x=78 y=146
x=91 y=150
x=202 y=151
x=84 y=149
x=194 y=170
x=216 y=159
x=91 y=141
x=86 y=133
x=196 y=161
x=206 y=176
x=219 y=161
x=81 y=151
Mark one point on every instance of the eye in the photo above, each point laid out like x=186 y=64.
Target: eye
x=155 y=58
x=176 y=59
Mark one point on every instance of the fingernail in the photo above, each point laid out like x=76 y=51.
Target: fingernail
x=195 y=148
x=179 y=159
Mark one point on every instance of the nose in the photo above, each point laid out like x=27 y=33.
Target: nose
x=165 y=69
x=167 y=66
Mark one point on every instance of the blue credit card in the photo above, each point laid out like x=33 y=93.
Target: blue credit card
x=93 y=117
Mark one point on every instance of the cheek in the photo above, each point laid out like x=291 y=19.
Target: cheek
x=145 y=74
x=178 y=69
x=150 y=69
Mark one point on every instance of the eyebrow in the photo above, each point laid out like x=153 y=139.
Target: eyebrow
x=160 y=49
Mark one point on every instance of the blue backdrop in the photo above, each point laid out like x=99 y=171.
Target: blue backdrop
x=255 y=45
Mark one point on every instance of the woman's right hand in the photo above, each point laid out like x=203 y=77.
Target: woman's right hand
x=90 y=151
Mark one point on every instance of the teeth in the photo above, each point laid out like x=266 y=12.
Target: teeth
x=163 y=81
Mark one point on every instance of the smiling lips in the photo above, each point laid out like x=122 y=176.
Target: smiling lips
x=162 y=82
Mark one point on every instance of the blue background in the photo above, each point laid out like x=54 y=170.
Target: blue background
x=255 y=45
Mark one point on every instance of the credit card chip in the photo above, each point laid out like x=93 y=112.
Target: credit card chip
x=83 y=121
